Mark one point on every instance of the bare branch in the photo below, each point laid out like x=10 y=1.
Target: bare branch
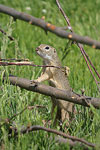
x=37 y=127
x=10 y=37
x=86 y=57
x=13 y=59
x=63 y=13
x=25 y=63
x=49 y=27
x=8 y=120
x=54 y=92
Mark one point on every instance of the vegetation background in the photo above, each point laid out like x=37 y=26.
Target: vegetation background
x=85 y=20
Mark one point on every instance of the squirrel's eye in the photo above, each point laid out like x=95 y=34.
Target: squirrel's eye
x=47 y=47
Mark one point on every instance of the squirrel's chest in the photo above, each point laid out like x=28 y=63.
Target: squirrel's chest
x=56 y=77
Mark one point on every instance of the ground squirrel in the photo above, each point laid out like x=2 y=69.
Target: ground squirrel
x=57 y=78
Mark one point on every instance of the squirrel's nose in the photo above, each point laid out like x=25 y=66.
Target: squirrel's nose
x=37 y=49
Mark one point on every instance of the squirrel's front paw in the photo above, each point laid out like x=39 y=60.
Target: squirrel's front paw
x=33 y=81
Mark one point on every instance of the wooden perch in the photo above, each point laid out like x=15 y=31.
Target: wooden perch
x=49 y=27
x=57 y=93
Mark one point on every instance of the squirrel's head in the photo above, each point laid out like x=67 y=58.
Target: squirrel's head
x=46 y=52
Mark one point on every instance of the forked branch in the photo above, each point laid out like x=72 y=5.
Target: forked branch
x=86 y=57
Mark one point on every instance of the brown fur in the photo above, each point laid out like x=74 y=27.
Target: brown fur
x=56 y=78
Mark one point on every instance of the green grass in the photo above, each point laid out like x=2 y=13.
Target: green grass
x=84 y=18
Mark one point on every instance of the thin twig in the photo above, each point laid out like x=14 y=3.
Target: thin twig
x=91 y=64
x=26 y=63
x=15 y=59
x=81 y=49
x=10 y=37
x=63 y=13
x=8 y=120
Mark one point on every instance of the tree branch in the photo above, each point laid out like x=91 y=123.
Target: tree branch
x=49 y=27
x=54 y=92
x=25 y=63
x=37 y=127
x=8 y=120
x=86 y=57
